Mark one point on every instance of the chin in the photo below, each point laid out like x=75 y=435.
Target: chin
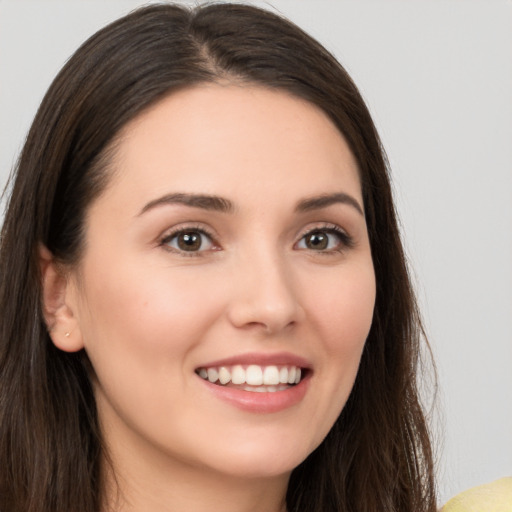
x=263 y=460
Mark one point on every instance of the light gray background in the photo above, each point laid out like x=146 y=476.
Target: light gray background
x=437 y=75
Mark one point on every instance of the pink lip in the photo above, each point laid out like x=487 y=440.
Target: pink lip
x=280 y=358
x=255 y=402
x=262 y=403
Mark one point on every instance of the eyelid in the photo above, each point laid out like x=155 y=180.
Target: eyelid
x=346 y=240
x=171 y=233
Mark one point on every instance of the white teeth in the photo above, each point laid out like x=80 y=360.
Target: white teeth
x=237 y=375
x=213 y=374
x=271 y=376
x=267 y=378
x=224 y=375
x=254 y=375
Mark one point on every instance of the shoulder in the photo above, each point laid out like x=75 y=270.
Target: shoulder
x=493 y=497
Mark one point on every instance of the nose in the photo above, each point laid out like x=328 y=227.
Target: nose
x=264 y=296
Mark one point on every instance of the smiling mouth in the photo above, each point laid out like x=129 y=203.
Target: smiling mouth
x=262 y=379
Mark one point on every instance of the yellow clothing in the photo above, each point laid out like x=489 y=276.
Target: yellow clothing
x=493 y=497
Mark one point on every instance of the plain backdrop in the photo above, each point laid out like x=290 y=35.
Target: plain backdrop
x=437 y=76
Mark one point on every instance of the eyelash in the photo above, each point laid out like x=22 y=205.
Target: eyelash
x=181 y=231
x=345 y=240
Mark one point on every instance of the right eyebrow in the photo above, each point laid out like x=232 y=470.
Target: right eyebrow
x=203 y=201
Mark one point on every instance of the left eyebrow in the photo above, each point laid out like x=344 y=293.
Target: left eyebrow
x=325 y=200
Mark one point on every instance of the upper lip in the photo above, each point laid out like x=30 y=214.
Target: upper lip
x=261 y=359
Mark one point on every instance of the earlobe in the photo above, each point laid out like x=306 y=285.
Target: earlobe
x=58 y=312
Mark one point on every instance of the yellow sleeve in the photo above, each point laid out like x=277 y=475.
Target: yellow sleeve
x=493 y=497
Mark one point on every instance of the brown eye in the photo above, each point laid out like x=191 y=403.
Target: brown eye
x=328 y=240
x=317 y=241
x=189 y=241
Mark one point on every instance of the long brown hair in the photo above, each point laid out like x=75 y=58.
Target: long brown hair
x=377 y=457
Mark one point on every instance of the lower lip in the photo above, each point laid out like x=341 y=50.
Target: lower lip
x=258 y=402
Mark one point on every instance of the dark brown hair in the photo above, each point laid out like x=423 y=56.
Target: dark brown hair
x=377 y=457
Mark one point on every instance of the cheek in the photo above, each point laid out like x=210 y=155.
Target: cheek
x=149 y=316
x=340 y=312
x=139 y=329
x=343 y=310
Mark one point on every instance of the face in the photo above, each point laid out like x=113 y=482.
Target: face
x=228 y=254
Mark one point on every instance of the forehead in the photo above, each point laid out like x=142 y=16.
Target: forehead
x=218 y=139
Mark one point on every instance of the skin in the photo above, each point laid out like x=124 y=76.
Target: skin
x=149 y=314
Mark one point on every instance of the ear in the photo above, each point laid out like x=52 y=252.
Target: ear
x=57 y=307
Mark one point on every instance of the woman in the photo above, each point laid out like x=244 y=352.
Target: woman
x=204 y=297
